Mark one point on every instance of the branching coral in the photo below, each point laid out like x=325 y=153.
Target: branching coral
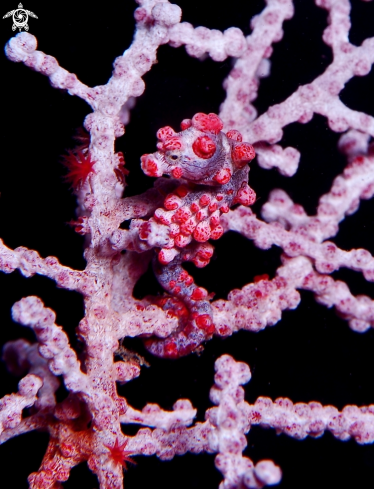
x=91 y=419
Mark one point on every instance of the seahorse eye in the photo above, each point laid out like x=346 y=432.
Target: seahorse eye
x=174 y=157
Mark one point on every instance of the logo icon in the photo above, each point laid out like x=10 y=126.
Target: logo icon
x=20 y=17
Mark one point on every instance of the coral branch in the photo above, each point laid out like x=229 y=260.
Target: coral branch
x=242 y=83
x=54 y=342
x=202 y=40
x=29 y=263
x=300 y=420
x=152 y=415
x=11 y=406
x=22 y=48
x=20 y=357
x=230 y=422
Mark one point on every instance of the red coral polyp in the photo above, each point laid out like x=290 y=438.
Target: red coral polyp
x=79 y=165
x=119 y=455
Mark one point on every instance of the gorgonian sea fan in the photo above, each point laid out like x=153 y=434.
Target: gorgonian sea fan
x=310 y=354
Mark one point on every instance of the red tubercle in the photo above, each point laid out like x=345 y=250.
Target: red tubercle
x=171 y=144
x=161 y=301
x=165 y=133
x=204 y=200
x=242 y=154
x=150 y=166
x=188 y=280
x=202 y=232
x=172 y=202
x=204 y=147
x=204 y=322
x=165 y=256
x=171 y=349
x=144 y=230
x=245 y=195
x=186 y=124
x=79 y=165
x=200 y=262
x=182 y=277
x=182 y=240
x=205 y=251
x=216 y=232
x=223 y=176
x=188 y=227
x=181 y=215
x=235 y=135
x=170 y=244
x=207 y=122
x=177 y=172
x=174 y=230
x=195 y=207
x=188 y=329
x=214 y=221
x=198 y=294
x=200 y=216
x=224 y=209
x=173 y=307
x=162 y=216
x=213 y=207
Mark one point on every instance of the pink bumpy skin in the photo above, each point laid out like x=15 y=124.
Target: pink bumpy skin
x=210 y=172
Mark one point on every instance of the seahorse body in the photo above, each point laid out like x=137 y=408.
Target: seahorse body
x=210 y=170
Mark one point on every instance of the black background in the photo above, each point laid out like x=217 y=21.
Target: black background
x=310 y=354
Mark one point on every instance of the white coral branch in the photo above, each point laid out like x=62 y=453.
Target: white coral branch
x=300 y=420
x=11 y=406
x=29 y=263
x=54 y=343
